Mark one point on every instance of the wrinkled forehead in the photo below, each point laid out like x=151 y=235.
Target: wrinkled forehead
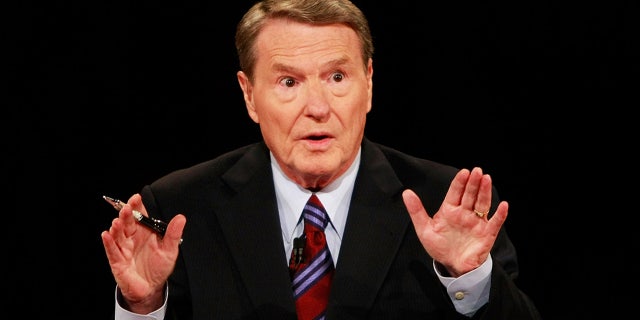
x=287 y=38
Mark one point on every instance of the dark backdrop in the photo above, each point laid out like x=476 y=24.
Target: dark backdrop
x=110 y=95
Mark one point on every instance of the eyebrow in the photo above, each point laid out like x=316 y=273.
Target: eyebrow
x=332 y=64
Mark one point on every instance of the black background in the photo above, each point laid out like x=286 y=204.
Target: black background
x=110 y=95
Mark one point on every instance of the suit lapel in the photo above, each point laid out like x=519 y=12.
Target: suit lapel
x=375 y=228
x=251 y=225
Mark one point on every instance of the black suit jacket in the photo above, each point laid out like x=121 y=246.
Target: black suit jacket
x=232 y=263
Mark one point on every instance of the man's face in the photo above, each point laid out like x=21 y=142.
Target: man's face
x=310 y=96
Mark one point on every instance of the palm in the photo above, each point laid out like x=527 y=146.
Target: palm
x=456 y=236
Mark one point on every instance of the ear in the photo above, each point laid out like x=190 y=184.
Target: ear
x=247 y=92
x=370 y=82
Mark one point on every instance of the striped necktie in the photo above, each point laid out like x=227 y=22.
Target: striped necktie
x=312 y=267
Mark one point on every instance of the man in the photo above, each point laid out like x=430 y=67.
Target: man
x=409 y=238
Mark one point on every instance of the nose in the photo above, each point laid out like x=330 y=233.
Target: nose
x=317 y=100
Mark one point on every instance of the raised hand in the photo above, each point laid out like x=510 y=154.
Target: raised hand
x=460 y=235
x=140 y=260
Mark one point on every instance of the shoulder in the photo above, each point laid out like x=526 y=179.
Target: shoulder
x=197 y=188
x=209 y=171
x=409 y=167
x=399 y=170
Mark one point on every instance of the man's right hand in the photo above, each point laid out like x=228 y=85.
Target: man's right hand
x=140 y=259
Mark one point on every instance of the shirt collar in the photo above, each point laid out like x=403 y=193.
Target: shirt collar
x=291 y=198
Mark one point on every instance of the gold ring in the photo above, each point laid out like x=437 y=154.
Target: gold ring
x=479 y=214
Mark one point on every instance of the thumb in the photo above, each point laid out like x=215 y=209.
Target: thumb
x=416 y=210
x=174 y=230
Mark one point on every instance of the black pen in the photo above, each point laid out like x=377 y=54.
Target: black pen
x=159 y=226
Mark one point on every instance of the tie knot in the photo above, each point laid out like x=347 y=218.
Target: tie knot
x=315 y=214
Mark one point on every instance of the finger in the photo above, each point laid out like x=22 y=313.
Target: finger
x=111 y=248
x=416 y=210
x=483 y=201
x=126 y=213
x=470 y=195
x=129 y=226
x=498 y=218
x=456 y=189
x=135 y=201
x=117 y=229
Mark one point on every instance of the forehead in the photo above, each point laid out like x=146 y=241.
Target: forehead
x=282 y=39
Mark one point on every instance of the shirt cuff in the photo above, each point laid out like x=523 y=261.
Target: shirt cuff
x=123 y=314
x=470 y=291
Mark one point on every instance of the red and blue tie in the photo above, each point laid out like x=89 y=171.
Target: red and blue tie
x=312 y=269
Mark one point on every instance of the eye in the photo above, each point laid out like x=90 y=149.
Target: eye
x=337 y=77
x=288 y=82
